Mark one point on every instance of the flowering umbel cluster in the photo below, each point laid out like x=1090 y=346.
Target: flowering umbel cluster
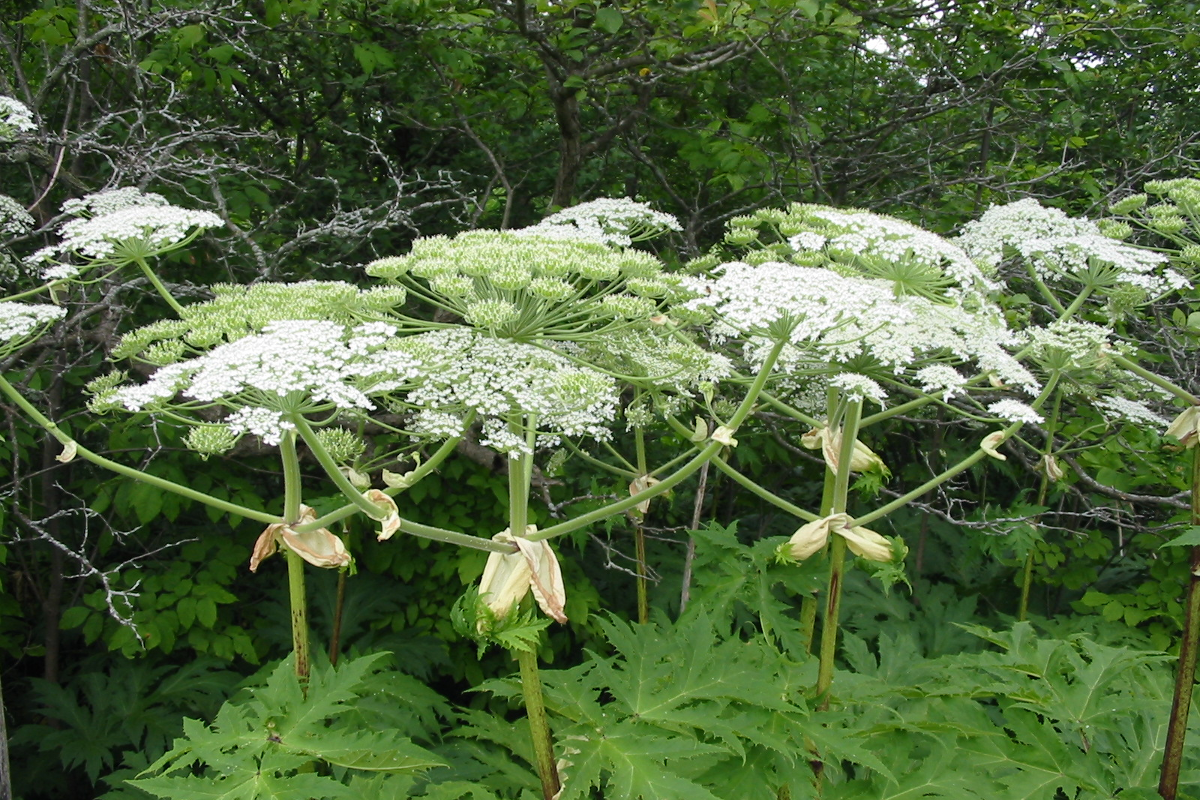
x=118 y=227
x=292 y=368
x=15 y=118
x=1064 y=249
x=21 y=322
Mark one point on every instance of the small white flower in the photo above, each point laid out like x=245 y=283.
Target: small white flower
x=941 y=378
x=807 y=240
x=612 y=222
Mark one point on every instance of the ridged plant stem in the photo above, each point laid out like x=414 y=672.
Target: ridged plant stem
x=297 y=596
x=1185 y=678
x=837 y=555
x=539 y=724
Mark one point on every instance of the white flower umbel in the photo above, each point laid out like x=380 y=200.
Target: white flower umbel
x=15 y=117
x=122 y=226
x=462 y=371
x=14 y=219
x=858 y=387
x=1015 y=411
x=614 y=222
x=293 y=367
x=18 y=321
x=886 y=245
x=1060 y=248
x=110 y=201
x=654 y=358
x=1070 y=345
x=832 y=319
x=1133 y=411
x=861 y=243
x=941 y=378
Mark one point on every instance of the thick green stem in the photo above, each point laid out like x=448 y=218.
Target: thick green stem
x=296 y=593
x=159 y=287
x=412 y=478
x=330 y=466
x=162 y=483
x=1157 y=380
x=1185 y=678
x=837 y=555
x=539 y=724
x=299 y=605
x=1043 y=489
x=639 y=537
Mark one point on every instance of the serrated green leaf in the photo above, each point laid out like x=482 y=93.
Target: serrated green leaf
x=1189 y=538
x=371 y=751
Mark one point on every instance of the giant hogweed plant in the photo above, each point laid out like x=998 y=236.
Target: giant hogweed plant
x=314 y=364
x=528 y=340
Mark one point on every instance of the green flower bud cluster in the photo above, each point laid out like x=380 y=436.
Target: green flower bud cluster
x=211 y=440
x=343 y=446
x=237 y=311
x=522 y=285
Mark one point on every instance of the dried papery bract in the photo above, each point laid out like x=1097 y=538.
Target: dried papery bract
x=863 y=459
x=1186 y=426
x=389 y=524
x=990 y=444
x=508 y=577
x=811 y=538
x=638 y=486
x=321 y=547
x=1050 y=467
x=866 y=544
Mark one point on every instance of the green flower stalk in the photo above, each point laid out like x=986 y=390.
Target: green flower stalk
x=837 y=553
